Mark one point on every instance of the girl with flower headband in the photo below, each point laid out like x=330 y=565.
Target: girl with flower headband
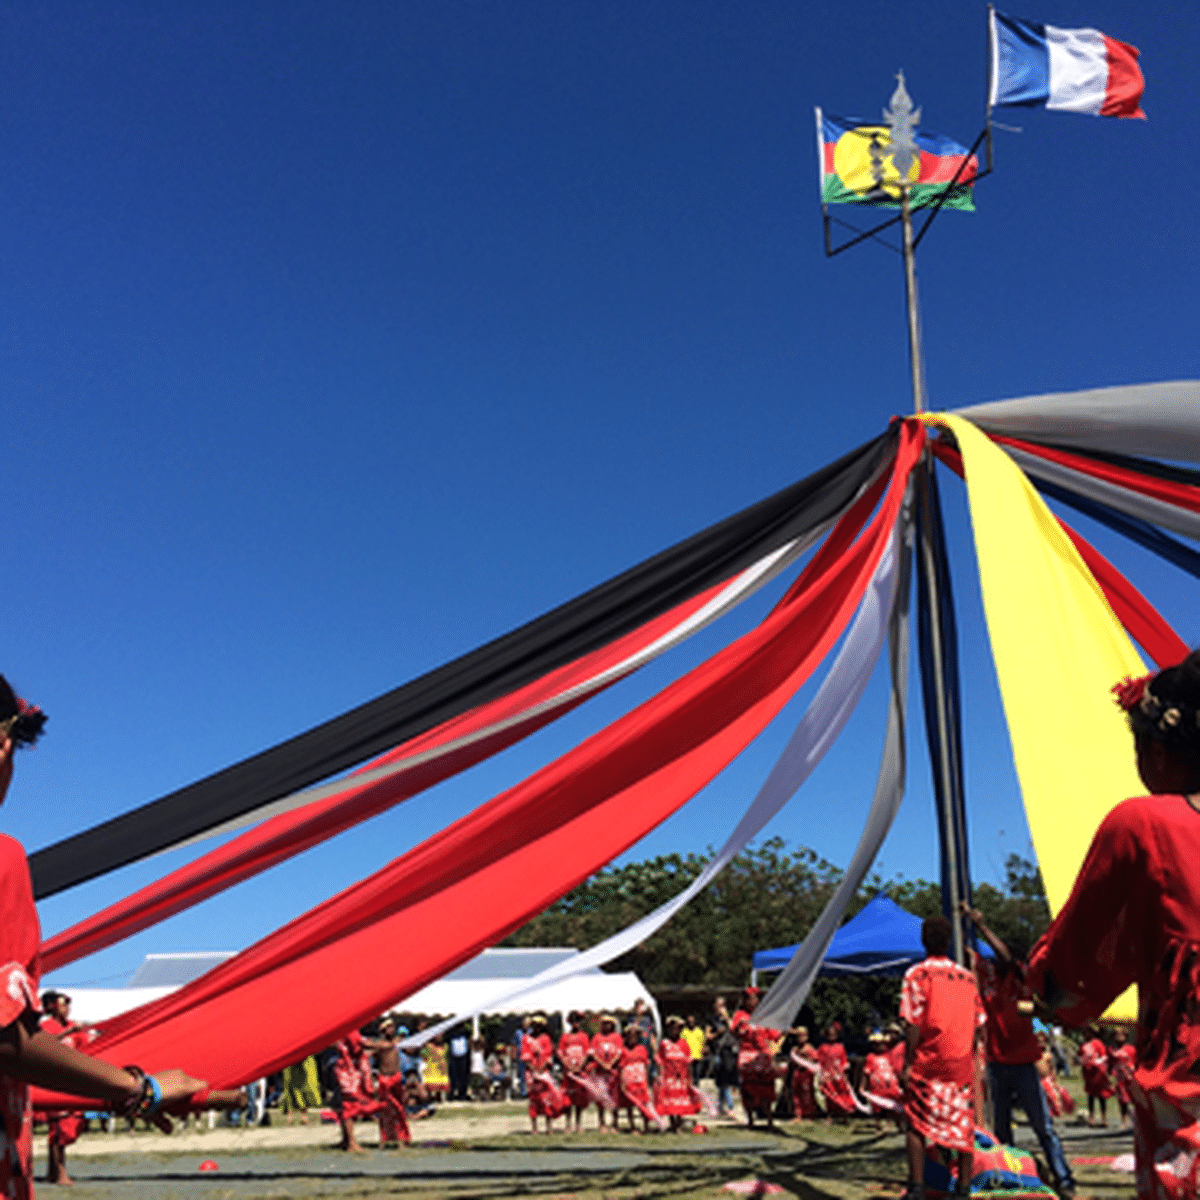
x=1134 y=917
x=29 y=1054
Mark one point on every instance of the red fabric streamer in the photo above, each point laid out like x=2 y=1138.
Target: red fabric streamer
x=1182 y=495
x=468 y=886
x=280 y=837
x=1141 y=620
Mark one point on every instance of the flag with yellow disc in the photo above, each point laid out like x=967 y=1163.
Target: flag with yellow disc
x=857 y=166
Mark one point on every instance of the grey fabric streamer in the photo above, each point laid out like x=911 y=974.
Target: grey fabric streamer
x=789 y=991
x=1155 y=420
x=1133 y=504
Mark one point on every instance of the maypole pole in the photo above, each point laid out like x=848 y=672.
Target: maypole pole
x=902 y=121
x=867 y=163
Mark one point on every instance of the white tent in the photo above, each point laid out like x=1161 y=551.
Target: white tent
x=502 y=970
x=489 y=973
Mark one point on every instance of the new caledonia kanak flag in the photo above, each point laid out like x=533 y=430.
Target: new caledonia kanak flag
x=848 y=177
x=1071 y=70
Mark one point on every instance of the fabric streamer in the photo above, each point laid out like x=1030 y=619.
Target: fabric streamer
x=1058 y=649
x=1140 y=618
x=1133 y=504
x=313 y=817
x=791 y=987
x=1169 y=491
x=817 y=730
x=1145 y=534
x=470 y=885
x=1144 y=623
x=1157 y=420
x=578 y=627
x=938 y=639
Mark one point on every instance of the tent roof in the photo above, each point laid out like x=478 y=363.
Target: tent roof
x=522 y=962
x=598 y=992
x=883 y=939
x=174 y=970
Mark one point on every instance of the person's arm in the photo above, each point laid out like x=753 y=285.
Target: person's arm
x=1002 y=952
x=33 y=1056
x=912 y=1035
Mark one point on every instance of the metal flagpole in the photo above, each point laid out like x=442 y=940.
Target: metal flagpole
x=902 y=119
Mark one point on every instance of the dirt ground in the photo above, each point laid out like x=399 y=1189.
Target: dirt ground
x=487 y=1150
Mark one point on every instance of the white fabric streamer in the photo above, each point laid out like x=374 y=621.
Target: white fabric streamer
x=789 y=991
x=816 y=732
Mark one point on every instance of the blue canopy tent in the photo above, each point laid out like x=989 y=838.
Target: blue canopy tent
x=882 y=939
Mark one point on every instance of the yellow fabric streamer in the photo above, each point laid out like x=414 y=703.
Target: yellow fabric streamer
x=1058 y=649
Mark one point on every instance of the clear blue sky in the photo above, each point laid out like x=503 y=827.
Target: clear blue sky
x=338 y=339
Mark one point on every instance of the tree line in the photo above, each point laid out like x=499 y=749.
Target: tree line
x=767 y=896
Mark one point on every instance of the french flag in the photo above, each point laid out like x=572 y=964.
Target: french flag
x=1072 y=70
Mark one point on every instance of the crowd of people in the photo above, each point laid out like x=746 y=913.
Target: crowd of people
x=1133 y=918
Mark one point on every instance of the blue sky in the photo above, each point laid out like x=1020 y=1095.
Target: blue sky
x=336 y=340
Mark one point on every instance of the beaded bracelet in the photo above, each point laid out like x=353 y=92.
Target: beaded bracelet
x=148 y=1099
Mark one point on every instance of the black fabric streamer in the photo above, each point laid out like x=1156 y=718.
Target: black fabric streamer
x=1133 y=528
x=946 y=759
x=1128 y=462
x=560 y=636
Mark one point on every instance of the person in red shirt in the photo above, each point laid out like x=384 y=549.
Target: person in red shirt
x=29 y=1054
x=1097 y=1080
x=674 y=1095
x=1122 y=1058
x=1013 y=1049
x=607 y=1046
x=1058 y=1099
x=943 y=1020
x=546 y=1098
x=756 y=1061
x=635 y=1080
x=1133 y=917
x=835 y=1068
x=880 y=1083
x=806 y=1067
x=574 y=1050
x=62 y=1128
x=354 y=1099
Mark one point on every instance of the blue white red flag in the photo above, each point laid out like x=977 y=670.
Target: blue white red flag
x=1071 y=70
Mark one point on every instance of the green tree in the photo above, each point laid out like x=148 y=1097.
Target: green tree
x=765 y=897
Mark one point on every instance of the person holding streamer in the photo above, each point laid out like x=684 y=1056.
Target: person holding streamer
x=29 y=1054
x=607 y=1047
x=62 y=1128
x=1013 y=1049
x=756 y=1061
x=1133 y=916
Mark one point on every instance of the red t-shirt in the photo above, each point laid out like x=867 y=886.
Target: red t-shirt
x=20 y=940
x=1010 y=1036
x=941 y=999
x=573 y=1051
x=607 y=1048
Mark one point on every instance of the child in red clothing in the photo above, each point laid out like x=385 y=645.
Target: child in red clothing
x=835 y=1087
x=805 y=1069
x=607 y=1046
x=756 y=1060
x=1121 y=1059
x=880 y=1084
x=1058 y=1099
x=674 y=1095
x=1097 y=1082
x=635 y=1080
x=546 y=1098
x=574 y=1050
